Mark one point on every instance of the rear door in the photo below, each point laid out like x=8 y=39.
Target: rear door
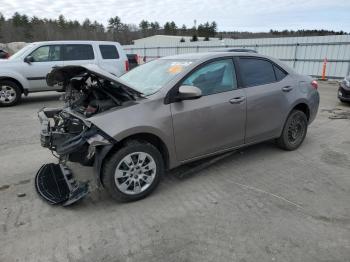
x=111 y=59
x=215 y=121
x=45 y=58
x=270 y=93
x=78 y=54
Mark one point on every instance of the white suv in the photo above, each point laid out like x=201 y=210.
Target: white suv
x=25 y=71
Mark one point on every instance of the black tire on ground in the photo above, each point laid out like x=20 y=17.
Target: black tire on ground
x=17 y=93
x=112 y=162
x=294 y=131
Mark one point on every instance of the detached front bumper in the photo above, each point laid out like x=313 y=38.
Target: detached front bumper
x=55 y=184
x=73 y=139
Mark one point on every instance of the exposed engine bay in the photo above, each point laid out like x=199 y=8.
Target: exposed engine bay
x=67 y=131
x=88 y=92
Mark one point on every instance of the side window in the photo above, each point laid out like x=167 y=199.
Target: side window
x=109 y=52
x=215 y=77
x=78 y=52
x=47 y=53
x=280 y=73
x=256 y=71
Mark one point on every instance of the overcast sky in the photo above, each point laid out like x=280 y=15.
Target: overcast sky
x=231 y=15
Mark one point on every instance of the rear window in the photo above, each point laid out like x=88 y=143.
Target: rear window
x=109 y=52
x=256 y=71
x=78 y=52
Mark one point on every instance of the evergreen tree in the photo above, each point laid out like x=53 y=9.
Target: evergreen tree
x=144 y=25
x=167 y=28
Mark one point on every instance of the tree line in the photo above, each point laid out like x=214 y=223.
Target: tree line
x=22 y=28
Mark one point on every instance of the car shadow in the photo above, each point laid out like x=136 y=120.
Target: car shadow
x=43 y=97
x=193 y=169
x=98 y=197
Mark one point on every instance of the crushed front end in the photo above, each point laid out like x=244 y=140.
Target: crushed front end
x=69 y=135
x=70 y=138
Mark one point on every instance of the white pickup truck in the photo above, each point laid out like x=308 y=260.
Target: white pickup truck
x=25 y=71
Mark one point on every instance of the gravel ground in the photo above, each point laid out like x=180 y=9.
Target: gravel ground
x=257 y=204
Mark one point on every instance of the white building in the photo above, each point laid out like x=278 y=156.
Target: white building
x=304 y=54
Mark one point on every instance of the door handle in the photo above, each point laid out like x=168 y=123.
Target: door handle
x=287 y=88
x=237 y=100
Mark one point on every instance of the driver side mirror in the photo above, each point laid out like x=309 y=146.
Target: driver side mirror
x=29 y=59
x=189 y=92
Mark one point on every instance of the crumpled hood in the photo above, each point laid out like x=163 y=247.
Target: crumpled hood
x=62 y=75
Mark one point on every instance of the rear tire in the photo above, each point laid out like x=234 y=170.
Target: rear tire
x=10 y=93
x=133 y=172
x=294 y=131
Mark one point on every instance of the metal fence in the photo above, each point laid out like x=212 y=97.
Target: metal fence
x=305 y=54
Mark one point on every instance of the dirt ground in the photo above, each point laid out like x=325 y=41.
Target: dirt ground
x=256 y=204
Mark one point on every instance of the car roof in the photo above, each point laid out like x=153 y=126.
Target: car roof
x=209 y=55
x=233 y=49
x=74 y=42
x=205 y=56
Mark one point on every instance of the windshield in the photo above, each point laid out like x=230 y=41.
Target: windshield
x=20 y=52
x=152 y=76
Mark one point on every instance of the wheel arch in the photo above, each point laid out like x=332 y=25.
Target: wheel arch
x=142 y=136
x=152 y=139
x=7 y=78
x=302 y=106
x=298 y=105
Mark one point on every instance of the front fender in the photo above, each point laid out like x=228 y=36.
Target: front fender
x=16 y=76
x=100 y=155
x=167 y=139
x=141 y=129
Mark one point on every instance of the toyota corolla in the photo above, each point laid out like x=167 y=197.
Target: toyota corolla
x=166 y=113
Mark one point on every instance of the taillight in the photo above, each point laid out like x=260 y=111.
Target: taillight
x=126 y=65
x=314 y=84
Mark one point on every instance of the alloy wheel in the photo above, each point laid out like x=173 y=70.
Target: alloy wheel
x=7 y=94
x=135 y=173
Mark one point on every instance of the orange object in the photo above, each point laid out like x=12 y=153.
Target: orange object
x=324 y=67
x=175 y=69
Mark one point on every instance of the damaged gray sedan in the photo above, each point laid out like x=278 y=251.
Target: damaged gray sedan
x=166 y=113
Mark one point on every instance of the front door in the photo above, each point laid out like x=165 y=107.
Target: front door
x=44 y=59
x=215 y=121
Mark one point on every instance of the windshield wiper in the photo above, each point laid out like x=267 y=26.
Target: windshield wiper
x=131 y=92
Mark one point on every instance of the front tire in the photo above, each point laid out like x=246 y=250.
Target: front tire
x=10 y=93
x=133 y=172
x=294 y=131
